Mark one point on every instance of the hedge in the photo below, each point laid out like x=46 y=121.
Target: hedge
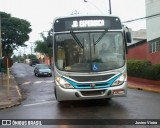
x=143 y=69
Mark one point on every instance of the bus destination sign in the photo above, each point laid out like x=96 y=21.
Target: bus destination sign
x=87 y=23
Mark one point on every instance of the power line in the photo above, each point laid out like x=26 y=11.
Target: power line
x=142 y=18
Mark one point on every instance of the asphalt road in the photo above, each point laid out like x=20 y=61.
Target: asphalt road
x=40 y=103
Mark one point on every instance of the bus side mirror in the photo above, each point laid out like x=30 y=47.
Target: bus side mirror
x=128 y=37
x=50 y=41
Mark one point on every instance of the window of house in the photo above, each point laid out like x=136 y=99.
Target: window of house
x=154 y=46
x=158 y=45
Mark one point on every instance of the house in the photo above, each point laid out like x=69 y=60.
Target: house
x=44 y=59
x=138 y=50
x=153 y=30
x=146 y=43
x=139 y=46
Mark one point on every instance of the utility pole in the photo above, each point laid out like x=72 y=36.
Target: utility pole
x=31 y=48
x=110 y=9
x=24 y=51
x=0 y=40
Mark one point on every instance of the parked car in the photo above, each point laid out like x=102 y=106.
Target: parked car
x=33 y=62
x=42 y=70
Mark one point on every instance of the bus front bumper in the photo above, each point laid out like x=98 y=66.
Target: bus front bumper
x=84 y=94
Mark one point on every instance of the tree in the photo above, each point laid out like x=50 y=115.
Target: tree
x=14 y=32
x=31 y=56
x=42 y=47
x=14 y=58
x=19 y=58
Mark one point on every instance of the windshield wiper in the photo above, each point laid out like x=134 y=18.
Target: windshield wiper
x=100 y=37
x=76 y=39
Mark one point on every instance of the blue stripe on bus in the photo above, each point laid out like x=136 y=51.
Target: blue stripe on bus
x=105 y=84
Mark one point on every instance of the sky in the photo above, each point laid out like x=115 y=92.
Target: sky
x=41 y=13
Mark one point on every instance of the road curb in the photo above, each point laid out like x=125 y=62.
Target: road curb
x=10 y=105
x=144 y=88
x=14 y=98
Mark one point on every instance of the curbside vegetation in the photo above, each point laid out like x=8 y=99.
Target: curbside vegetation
x=143 y=69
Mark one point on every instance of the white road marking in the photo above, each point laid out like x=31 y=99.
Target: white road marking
x=51 y=81
x=40 y=103
x=27 y=82
x=38 y=82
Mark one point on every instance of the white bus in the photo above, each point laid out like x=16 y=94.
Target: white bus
x=89 y=57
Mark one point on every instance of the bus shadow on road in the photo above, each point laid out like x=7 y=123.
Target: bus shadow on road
x=89 y=103
x=92 y=109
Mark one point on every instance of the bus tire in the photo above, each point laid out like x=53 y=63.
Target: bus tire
x=108 y=99
x=55 y=93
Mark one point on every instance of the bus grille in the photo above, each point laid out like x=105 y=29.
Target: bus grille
x=92 y=93
x=91 y=78
x=97 y=85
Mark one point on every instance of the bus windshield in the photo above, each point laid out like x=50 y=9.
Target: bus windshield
x=89 y=51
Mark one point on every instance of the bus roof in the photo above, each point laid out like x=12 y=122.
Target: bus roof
x=85 y=15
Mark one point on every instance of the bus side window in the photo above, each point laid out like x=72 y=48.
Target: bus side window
x=61 y=57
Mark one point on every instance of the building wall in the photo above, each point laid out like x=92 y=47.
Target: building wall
x=153 y=30
x=44 y=59
x=152 y=24
x=154 y=57
x=47 y=61
x=151 y=49
x=138 y=52
x=140 y=34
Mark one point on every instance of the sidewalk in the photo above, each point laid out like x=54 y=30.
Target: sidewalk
x=9 y=95
x=143 y=84
x=14 y=97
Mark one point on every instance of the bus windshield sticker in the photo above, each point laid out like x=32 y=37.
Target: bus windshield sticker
x=95 y=67
x=68 y=68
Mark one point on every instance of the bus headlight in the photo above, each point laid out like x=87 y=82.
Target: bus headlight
x=120 y=80
x=63 y=83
